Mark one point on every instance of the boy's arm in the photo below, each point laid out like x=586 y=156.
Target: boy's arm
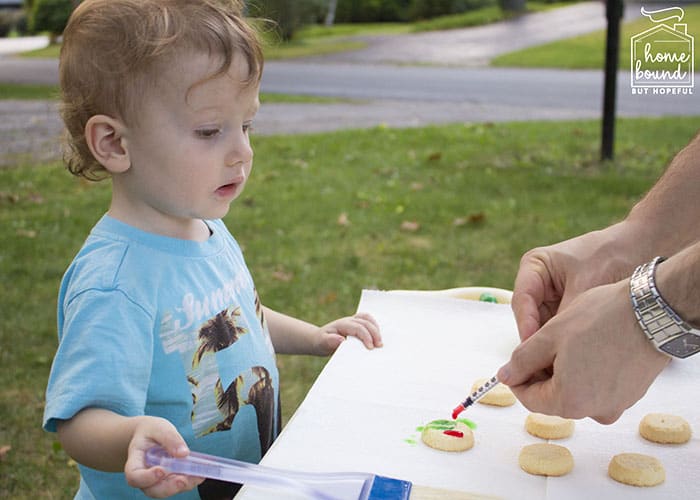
x=294 y=336
x=103 y=440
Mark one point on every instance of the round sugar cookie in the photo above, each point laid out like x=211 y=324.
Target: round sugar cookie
x=448 y=435
x=665 y=429
x=546 y=459
x=501 y=395
x=549 y=426
x=636 y=469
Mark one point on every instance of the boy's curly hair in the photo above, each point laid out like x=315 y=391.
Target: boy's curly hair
x=113 y=51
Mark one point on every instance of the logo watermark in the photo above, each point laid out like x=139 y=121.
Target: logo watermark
x=663 y=56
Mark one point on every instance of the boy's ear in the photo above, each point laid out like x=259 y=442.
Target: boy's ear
x=104 y=136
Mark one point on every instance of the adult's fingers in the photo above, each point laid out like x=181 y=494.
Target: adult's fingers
x=529 y=294
x=528 y=374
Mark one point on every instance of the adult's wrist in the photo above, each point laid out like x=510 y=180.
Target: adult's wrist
x=678 y=281
x=665 y=328
x=622 y=247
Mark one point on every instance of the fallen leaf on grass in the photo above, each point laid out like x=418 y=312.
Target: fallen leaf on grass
x=4 y=450
x=27 y=233
x=410 y=226
x=434 y=156
x=35 y=198
x=475 y=218
x=328 y=298
x=11 y=197
x=343 y=219
x=282 y=275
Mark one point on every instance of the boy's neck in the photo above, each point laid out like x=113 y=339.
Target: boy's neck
x=183 y=229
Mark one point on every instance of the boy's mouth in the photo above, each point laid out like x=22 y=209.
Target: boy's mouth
x=227 y=189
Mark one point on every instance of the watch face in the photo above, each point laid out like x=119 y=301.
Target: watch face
x=683 y=346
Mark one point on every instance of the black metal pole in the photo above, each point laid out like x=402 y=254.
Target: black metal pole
x=613 y=12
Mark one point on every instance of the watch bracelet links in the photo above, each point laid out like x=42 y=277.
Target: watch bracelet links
x=659 y=322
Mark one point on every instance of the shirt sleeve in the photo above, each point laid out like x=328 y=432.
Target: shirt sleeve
x=104 y=357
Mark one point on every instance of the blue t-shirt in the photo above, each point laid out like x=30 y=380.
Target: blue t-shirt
x=152 y=325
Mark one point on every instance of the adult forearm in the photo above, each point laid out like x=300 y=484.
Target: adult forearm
x=666 y=219
x=678 y=281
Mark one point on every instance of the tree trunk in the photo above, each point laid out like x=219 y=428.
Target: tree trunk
x=330 y=16
x=512 y=5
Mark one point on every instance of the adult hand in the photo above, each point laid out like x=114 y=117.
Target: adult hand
x=549 y=278
x=154 y=481
x=590 y=360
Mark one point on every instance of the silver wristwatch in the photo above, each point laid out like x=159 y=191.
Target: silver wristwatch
x=661 y=324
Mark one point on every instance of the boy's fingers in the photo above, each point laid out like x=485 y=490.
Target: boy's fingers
x=143 y=478
x=370 y=324
x=356 y=328
x=172 y=484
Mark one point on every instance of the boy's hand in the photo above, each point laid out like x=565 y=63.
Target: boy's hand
x=154 y=481
x=361 y=325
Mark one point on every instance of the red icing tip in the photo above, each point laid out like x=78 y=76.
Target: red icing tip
x=457 y=434
x=457 y=411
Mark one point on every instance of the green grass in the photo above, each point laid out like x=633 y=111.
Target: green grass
x=588 y=51
x=25 y=91
x=527 y=184
x=50 y=52
x=317 y=40
x=479 y=17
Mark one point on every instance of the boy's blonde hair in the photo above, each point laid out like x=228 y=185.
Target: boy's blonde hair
x=113 y=51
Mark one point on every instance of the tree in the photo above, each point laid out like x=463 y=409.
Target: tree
x=512 y=5
x=51 y=16
x=330 y=15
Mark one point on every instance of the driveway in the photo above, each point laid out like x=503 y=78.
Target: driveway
x=383 y=93
x=477 y=46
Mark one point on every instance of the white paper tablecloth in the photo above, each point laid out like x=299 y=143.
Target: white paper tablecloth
x=363 y=410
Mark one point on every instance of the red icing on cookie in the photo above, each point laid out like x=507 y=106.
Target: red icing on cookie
x=457 y=434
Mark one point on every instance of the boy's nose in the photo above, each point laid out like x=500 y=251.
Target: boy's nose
x=241 y=152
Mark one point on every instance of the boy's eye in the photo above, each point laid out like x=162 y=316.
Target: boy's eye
x=207 y=133
x=247 y=127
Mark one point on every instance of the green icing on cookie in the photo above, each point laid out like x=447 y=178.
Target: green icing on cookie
x=445 y=425
x=467 y=422
x=488 y=297
x=441 y=425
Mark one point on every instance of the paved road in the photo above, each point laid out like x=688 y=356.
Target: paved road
x=395 y=95
x=477 y=46
x=433 y=94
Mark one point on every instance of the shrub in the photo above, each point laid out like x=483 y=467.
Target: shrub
x=51 y=16
x=12 y=20
x=288 y=15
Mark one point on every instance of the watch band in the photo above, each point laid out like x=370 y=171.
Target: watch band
x=668 y=332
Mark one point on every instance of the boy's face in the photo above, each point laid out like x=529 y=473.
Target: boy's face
x=190 y=151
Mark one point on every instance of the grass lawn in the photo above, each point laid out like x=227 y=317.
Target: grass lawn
x=316 y=40
x=24 y=91
x=322 y=219
x=588 y=51
x=479 y=17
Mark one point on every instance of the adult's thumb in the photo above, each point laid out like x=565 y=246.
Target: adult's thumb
x=529 y=359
